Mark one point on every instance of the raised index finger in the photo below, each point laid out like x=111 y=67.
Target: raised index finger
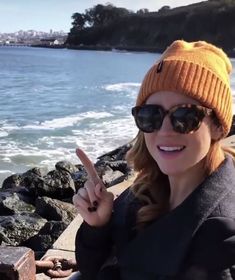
x=89 y=167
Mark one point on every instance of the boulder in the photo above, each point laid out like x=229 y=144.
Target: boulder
x=12 y=203
x=54 y=209
x=20 y=227
x=44 y=239
x=36 y=206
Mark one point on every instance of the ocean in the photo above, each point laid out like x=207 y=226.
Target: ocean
x=53 y=100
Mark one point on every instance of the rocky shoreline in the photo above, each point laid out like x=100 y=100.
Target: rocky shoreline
x=36 y=206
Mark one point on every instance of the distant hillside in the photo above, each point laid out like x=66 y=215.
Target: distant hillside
x=213 y=21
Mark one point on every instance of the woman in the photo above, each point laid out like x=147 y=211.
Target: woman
x=177 y=221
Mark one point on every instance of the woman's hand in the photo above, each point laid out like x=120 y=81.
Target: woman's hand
x=93 y=201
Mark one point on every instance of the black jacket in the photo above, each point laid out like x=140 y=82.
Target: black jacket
x=196 y=240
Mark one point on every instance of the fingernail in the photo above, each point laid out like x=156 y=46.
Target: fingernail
x=92 y=209
x=95 y=203
x=89 y=209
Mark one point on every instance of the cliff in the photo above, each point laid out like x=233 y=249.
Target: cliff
x=213 y=21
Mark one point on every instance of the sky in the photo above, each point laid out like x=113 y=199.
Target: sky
x=44 y=15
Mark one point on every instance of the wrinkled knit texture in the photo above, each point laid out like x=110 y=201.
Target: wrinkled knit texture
x=197 y=69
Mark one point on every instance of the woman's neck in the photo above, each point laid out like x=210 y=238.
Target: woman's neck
x=181 y=186
x=184 y=184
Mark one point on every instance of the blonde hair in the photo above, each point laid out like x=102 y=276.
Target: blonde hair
x=152 y=187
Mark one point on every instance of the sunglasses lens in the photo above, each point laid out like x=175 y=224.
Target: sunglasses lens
x=186 y=119
x=148 y=118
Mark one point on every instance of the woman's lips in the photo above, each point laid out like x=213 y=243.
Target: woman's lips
x=170 y=152
x=171 y=148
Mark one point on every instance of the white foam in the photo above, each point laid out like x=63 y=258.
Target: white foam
x=106 y=136
x=3 y=133
x=60 y=122
x=8 y=127
x=100 y=136
x=6 y=171
x=120 y=87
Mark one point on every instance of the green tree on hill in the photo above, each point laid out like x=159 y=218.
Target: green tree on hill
x=99 y=15
x=79 y=21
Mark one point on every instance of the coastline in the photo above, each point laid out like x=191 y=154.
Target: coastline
x=106 y=47
x=102 y=48
x=151 y=49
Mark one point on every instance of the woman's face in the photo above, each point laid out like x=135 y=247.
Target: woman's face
x=176 y=153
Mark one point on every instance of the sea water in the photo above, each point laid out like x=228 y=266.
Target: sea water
x=53 y=100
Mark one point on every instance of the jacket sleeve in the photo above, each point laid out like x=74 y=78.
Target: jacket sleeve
x=212 y=255
x=92 y=247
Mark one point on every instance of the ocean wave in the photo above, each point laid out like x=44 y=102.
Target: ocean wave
x=60 y=122
x=123 y=87
x=3 y=133
x=68 y=121
x=46 y=151
x=5 y=171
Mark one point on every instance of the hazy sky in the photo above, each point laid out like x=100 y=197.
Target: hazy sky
x=43 y=15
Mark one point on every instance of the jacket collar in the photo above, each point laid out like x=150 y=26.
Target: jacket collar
x=160 y=249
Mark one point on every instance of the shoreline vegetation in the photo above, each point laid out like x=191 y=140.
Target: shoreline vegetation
x=106 y=27
x=231 y=54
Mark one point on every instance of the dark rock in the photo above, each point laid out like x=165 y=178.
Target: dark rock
x=111 y=177
x=47 y=235
x=79 y=176
x=116 y=154
x=115 y=161
x=53 y=209
x=12 y=181
x=12 y=203
x=57 y=184
x=66 y=166
x=35 y=207
x=79 y=179
x=38 y=171
x=53 y=228
x=120 y=165
x=3 y=237
x=20 y=227
x=24 y=179
x=33 y=180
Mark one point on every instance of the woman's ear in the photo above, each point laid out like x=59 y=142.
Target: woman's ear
x=216 y=132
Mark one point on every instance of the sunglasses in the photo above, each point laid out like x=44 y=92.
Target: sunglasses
x=185 y=118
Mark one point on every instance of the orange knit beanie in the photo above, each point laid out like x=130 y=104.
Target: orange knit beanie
x=197 y=69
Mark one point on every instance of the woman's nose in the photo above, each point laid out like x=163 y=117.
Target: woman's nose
x=166 y=127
